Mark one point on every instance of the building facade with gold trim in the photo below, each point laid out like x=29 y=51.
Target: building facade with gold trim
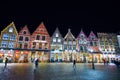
x=8 y=41
x=108 y=45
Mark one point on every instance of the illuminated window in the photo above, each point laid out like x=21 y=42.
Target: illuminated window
x=5 y=36
x=54 y=39
x=12 y=37
x=70 y=47
x=40 y=45
x=4 y=44
x=10 y=29
x=11 y=45
x=25 y=45
x=56 y=34
x=65 y=42
x=46 y=45
x=34 y=45
x=20 y=45
x=65 y=47
x=59 y=40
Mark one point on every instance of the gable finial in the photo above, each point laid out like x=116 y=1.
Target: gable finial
x=69 y=30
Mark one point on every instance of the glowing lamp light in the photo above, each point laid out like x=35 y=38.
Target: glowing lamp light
x=26 y=52
x=9 y=55
x=21 y=52
x=17 y=51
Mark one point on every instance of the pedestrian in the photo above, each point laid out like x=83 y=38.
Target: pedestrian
x=36 y=64
x=104 y=60
x=6 y=61
x=74 y=63
x=107 y=61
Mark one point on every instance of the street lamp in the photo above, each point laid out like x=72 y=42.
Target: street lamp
x=93 y=66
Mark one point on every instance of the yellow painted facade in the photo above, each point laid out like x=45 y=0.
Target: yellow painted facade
x=6 y=30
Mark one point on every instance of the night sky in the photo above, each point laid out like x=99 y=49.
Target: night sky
x=88 y=15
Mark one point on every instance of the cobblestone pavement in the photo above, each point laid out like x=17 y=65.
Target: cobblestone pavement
x=59 y=71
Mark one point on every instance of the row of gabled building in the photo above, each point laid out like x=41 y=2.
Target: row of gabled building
x=25 y=47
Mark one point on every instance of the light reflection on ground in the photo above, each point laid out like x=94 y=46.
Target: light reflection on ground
x=59 y=71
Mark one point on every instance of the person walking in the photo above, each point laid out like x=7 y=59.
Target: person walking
x=74 y=63
x=6 y=61
x=36 y=64
x=104 y=61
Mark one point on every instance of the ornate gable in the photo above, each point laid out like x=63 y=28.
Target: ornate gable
x=10 y=29
x=23 y=30
x=82 y=38
x=41 y=29
x=82 y=34
x=69 y=35
x=57 y=31
x=92 y=36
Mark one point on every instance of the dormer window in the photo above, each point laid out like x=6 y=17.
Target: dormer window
x=10 y=29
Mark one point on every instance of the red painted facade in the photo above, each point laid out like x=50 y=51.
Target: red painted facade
x=40 y=41
x=93 y=42
x=24 y=38
x=43 y=43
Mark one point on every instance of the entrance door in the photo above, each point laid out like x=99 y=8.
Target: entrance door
x=32 y=56
x=56 y=56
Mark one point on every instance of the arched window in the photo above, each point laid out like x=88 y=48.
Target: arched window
x=24 y=32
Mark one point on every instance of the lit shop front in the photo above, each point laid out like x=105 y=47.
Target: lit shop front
x=87 y=57
x=6 y=53
x=21 y=56
x=43 y=56
x=69 y=56
x=56 y=55
x=97 y=57
x=1 y=56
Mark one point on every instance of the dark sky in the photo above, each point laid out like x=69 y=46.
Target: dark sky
x=88 y=15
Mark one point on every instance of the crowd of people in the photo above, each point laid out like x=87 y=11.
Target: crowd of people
x=115 y=61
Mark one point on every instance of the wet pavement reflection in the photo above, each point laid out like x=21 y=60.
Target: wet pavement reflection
x=59 y=71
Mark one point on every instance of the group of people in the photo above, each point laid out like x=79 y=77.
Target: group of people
x=105 y=61
x=117 y=62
